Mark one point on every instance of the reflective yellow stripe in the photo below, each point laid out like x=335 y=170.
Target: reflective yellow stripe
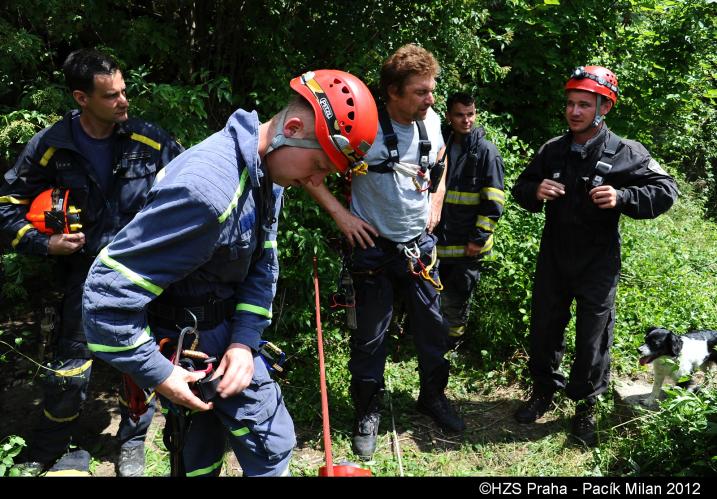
x=60 y=420
x=21 y=233
x=47 y=156
x=67 y=473
x=466 y=198
x=208 y=469
x=450 y=251
x=74 y=372
x=485 y=223
x=270 y=244
x=247 y=307
x=130 y=274
x=146 y=140
x=143 y=338
x=237 y=195
x=493 y=194
x=240 y=432
x=12 y=200
x=487 y=246
x=458 y=251
x=146 y=401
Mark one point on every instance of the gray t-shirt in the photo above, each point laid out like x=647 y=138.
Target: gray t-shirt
x=390 y=201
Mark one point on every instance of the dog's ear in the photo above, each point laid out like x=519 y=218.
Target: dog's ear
x=675 y=344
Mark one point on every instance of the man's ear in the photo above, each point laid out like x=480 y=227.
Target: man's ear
x=605 y=107
x=292 y=126
x=393 y=92
x=80 y=97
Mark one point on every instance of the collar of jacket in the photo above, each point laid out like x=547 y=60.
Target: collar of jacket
x=593 y=143
x=473 y=137
x=243 y=126
x=59 y=135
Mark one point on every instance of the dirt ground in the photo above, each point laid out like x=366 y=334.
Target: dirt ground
x=488 y=416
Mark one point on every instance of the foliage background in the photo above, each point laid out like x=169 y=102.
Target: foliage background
x=189 y=64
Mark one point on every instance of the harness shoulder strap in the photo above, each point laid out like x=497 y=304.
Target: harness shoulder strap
x=390 y=139
x=604 y=165
x=424 y=145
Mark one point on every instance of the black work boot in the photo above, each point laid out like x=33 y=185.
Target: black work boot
x=131 y=461
x=583 y=424
x=433 y=402
x=538 y=404
x=367 y=396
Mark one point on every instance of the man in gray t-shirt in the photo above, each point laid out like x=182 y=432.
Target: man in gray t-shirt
x=392 y=216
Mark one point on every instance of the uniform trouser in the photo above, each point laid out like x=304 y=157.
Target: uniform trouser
x=591 y=280
x=459 y=279
x=255 y=423
x=65 y=387
x=381 y=273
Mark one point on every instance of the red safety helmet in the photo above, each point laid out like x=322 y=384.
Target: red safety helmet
x=345 y=115
x=50 y=213
x=595 y=79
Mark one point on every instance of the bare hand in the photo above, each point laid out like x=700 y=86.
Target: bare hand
x=604 y=196
x=176 y=388
x=549 y=190
x=436 y=207
x=65 y=244
x=356 y=230
x=237 y=367
x=473 y=249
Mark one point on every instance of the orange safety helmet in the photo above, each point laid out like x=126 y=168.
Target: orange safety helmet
x=345 y=115
x=595 y=79
x=50 y=214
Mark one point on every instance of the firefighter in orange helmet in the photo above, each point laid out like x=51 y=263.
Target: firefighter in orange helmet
x=205 y=243
x=584 y=180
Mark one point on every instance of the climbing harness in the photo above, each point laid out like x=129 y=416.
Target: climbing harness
x=424 y=171
x=413 y=259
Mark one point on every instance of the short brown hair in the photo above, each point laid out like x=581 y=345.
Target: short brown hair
x=407 y=61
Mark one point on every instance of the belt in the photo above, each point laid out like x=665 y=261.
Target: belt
x=388 y=245
x=209 y=311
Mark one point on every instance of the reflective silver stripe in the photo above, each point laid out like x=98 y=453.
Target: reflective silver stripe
x=143 y=338
x=485 y=223
x=247 y=307
x=493 y=194
x=21 y=233
x=450 y=251
x=128 y=273
x=465 y=198
x=208 y=469
x=237 y=195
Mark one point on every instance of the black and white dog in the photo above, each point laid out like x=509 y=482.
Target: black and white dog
x=676 y=357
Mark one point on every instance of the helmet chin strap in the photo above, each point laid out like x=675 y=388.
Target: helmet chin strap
x=598 y=117
x=280 y=139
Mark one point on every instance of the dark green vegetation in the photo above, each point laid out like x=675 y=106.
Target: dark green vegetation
x=189 y=64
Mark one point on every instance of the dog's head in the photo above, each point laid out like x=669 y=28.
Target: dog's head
x=659 y=342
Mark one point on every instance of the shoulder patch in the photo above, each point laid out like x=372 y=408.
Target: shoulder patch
x=654 y=166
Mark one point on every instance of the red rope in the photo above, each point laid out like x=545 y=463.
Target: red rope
x=322 y=378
